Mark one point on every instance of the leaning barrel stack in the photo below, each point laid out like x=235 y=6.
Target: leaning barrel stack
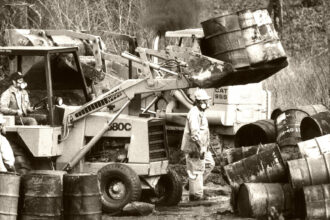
x=246 y=39
x=300 y=186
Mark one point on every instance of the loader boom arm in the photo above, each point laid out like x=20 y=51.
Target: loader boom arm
x=129 y=88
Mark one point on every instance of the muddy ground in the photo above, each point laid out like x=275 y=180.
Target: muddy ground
x=217 y=207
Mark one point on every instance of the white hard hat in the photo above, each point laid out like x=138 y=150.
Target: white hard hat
x=2 y=120
x=201 y=94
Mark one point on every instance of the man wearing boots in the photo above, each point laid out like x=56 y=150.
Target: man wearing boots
x=195 y=145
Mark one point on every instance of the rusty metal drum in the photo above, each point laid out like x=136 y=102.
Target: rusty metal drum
x=256 y=199
x=60 y=173
x=314 y=148
x=235 y=154
x=266 y=167
x=9 y=195
x=254 y=43
x=317 y=202
x=224 y=41
x=313 y=109
x=262 y=131
x=221 y=24
x=272 y=47
x=82 y=198
x=288 y=127
x=315 y=125
x=309 y=171
x=228 y=47
x=42 y=196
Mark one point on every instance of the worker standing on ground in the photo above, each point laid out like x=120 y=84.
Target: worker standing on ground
x=7 y=158
x=195 y=145
x=15 y=101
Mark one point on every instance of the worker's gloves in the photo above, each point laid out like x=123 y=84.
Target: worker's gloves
x=196 y=152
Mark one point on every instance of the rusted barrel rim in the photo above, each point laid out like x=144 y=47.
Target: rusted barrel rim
x=220 y=16
x=219 y=33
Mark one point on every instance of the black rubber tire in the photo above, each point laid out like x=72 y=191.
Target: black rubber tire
x=172 y=185
x=128 y=177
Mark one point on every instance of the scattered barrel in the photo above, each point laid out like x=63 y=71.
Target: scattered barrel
x=317 y=202
x=224 y=41
x=309 y=109
x=315 y=147
x=60 y=173
x=262 y=131
x=42 y=196
x=235 y=154
x=82 y=198
x=257 y=199
x=315 y=125
x=309 y=171
x=288 y=127
x=266 y=166
x=9 y=194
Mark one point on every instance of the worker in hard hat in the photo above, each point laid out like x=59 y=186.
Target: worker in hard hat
x=15 y=101
x=195 y=145
x=7 y=158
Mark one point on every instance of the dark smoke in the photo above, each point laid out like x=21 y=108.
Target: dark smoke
x=170 y=15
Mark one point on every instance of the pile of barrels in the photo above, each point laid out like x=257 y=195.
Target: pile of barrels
x=246 y=39
x=46 y=194
x=285 y=166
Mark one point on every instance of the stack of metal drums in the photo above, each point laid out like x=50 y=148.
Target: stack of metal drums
x=245 y=38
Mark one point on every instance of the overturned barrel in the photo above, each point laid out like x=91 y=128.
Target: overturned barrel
x=82 y=198
x=235 y=154
x=42 y=196
x=266 y=167
x=309 y=171
x=288 y=127
x=257 y=199
x=224 y=41
x=315 y=147
x=262 y=131
x=317 y=202
x=9 y=194
x=315 y=125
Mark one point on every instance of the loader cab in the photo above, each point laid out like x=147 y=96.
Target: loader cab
x=53 y=74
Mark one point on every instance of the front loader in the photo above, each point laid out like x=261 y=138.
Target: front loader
x=105 y=135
